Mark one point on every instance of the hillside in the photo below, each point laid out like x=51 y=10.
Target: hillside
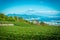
x=25 y=31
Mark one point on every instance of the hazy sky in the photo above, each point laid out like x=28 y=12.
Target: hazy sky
x=17 y=6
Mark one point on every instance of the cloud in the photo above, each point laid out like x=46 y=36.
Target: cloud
x=53 y=23
x=55 y=20
x=49 y=11
x=54 y=16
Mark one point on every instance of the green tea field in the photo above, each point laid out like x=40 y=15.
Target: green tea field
x=29 y=32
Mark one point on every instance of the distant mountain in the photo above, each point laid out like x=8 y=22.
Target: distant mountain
x=25 y=16
x=39 y=17
x=31 y=14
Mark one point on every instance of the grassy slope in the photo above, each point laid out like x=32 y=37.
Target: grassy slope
x=28 y=31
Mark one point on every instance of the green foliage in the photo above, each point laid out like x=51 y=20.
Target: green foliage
x=29 y=33
x=2 y=17
x=42 y=23
x=15 y=18
x=8 y=18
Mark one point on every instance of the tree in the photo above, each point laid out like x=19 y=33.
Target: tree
x=10 y=18
x=42 y=23
x=15 y=18
x=2 y=17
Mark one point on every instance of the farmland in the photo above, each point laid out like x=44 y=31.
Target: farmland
x=26 y=31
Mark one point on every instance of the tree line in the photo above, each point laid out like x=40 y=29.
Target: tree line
x=3 y=17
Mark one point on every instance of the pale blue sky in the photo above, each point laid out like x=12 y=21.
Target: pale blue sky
x=18 y=6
